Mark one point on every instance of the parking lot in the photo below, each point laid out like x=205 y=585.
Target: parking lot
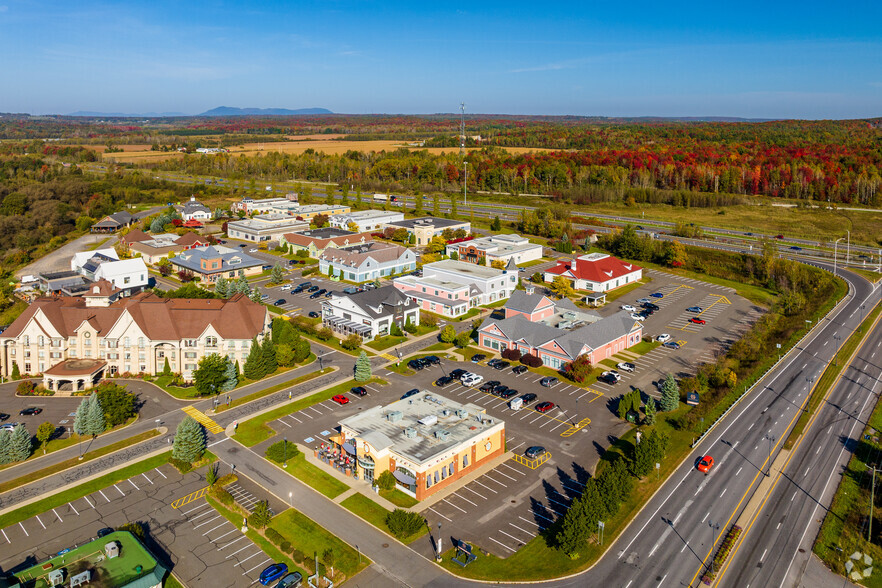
x=202 y=546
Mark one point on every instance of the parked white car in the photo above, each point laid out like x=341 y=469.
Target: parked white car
x=637 y=317
x=626 y=367
x=612 y=374
x=285 y=287
x=663 y=338
x=471 y=379
x=628 y=307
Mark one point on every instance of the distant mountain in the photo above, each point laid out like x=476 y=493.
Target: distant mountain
x=232 y=111
x=125 y=115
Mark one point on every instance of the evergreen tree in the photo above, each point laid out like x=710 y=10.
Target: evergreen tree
x=496 y=224
x=362 y=368
x=573 y=534
x=16 y=375
x=329 y=195
x=166 y=368
x=268 y=353
x=358 y=202
x=190 y=440
x=81 y=418
x=301 y=350
x=344 y=194
x=19 y=444
x=418 y=205
x=650 y=411
x=210 y=374
x=670 y=399
x=238 y=369
x=5 y=439
x=255 y=295
x=222 y=287
x=158 y=224
x=254 y=362
x=95 y=416
x=231 y=376
x=277 y=275
x=452 y=206
x=242 y=287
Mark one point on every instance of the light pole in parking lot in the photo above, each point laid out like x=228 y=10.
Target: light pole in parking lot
x=438 y=557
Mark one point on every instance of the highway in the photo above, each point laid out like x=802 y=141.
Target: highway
x=671 y=541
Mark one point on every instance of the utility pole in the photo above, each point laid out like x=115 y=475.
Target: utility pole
x=847 y=246
x=835 y=243
x=714 y=528
x=872 y=498
x=465 y=184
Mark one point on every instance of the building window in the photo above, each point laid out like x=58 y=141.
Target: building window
x=190 y=355
x=443 y=472
x=428 y=482
x=127 y=341
x=435 y=475
x=140 y=341
x=40 y=340
x=27 y=368
x=450 y=469
x=211 y=341
x=465 y=461
x=26 y=340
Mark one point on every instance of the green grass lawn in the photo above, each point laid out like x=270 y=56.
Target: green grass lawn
x=643 y=347
x=468 y=352
x=535 y=262
x=255 y=430
x=34 y=508
x=872 y=276
x=626 y=289
x=272 y=389
x=440 y=346
x=385 y=342
x=314 y=477
x=375 y=514
x=68 y=463
x=309 y=537
x=398 y=498
x=171 y=582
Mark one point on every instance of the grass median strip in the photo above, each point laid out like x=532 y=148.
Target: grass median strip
x=314 y=477
x=375 y=514
x=255 y=430
x=831 y=374
x=272 y=389
x=65 y=496
x=69 y=463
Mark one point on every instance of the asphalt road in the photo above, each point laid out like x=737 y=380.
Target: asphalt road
x=669 y=543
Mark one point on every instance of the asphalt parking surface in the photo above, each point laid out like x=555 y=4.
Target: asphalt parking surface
x=202 y=547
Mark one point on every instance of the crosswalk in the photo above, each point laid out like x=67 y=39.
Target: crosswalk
x=201 y=418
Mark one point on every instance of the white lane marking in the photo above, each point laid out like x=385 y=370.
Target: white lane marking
x=738 y=472
x=764 y=554
x=70 y=504
x=257 y=566
x=503 y=544
x=512 y=536
x=86 y=498
x=41 y=522
x=5 y=537
x=653 y=549
x=202 y=515
x=118 y=490
x=133 y=484
x=249 y=557
x=224 y=535
x=157 y=470
x=146 y=478
x=453 y=505
x=792 y=497
x=439 y=514
x=105 y=497
x=723 y=492
x=522 y=530
x=212 y=529
x=203 y=505
x=206 y=522
x=23 y=529
x=662 y=580
x=231 y=542
x=56 y=514
x=473 y=492
x=705 y=517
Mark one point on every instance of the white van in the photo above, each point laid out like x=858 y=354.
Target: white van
x=516 y=403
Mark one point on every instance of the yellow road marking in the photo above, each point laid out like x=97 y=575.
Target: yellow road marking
x=719 y=300
x=202 y=419
x=681 y=343
x=579 y=426
x=388 y=356
x=532 y=463
x=190 y=497
x=596 y=395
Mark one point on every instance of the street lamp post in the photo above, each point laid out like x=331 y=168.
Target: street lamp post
x=439 y=542
x=465 y=197
x=286 y=452
x=835 y=244
x=771 y=439
x=714 y=528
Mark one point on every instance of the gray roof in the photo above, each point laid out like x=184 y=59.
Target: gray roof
x=385 y=298
x=191 y=259
x=117 y=219
x=194 y=206
x=95 y=262
x=438 y=223
x=523 y=302
x=519 y=327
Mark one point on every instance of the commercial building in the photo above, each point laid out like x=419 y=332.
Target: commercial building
x=597 y=272
x=505 y=248
x=212 y=262
x=427 y=441
x=132 y=335
x=118 y=559
x=165 y=245
x=195 y=210
x=486 y=284
x=557 y=331
x=310 y=211
x=249 y=205
x=424 y=228
x=365 y=220
x=315 y=241
x=113 y=222
x=450 y=299
x=368 y=261
x=264 y=227
x=128 y=275
x=370 y=313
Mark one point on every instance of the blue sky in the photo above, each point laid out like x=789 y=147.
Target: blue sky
x=771 y=59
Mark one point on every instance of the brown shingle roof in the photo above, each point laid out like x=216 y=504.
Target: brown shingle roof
x=135 y=236
x=305 y=240
x=159 y=318
x=188 y=239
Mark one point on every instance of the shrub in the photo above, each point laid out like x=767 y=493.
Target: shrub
x=324 y=334
x=430 y=320
x=395 y=330
x=298 y=555
x=285 y=546
x=137 y=529
x=181 y=465
x=579 y=369
x=275 y=537
x=278 y=451
x=260 y=517
x=464 y=339
x=410 y=327
x=351 y=343
x=25 y=388
x=403 y=523
x=222 y=496
x=531 y=361
x=512 y=354
x=386 y=481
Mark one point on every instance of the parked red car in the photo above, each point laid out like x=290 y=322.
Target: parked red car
x=544 y=406
x=697 y=321
x=340 y=399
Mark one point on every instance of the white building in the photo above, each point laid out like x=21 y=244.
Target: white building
x=129 y=275
x=486 y=284
x=597 y=272
x=365 y=220
x=195 y=210
x=367 y=261
x=370 y=313
x=265 y=227
x=486 y=250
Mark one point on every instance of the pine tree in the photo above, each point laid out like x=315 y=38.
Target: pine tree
x=649 y=409
x=670 y=399
x=242 y=287
x=16 y=375
x=238 y=368
x=268 y=352
x=190 y=440
x=166 y=368
x=81 y=417
x=363 y=368
x=254 y=362
x=452 y=206
x=358 y=202
x=231 y=376
x=95 y=416
x=573 y=534
x=329 y=195
x=277 y=275
x=19 y=444
x=5 y=439
x=418 y=205
x=344 y=194
x=255 y=295
x=222 y=287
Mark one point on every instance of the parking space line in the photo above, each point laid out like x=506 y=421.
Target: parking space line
x=464 y=498
x=439 y=514
x=538 y=526
x=487 y=487
x=146 y=478
x=39 y=520
x=86 y=498
x=5 y=537
x=206 y=522
x=202 y=515
x=522 y=530
x=203 y=505
x=56 y=514
x=495 y=480
x=212 y=529
x=295 y=418
x=23 y=529
x=70 y=504
x=475 y=493
x=541 y=516
x=512 y=536
x=249 y=557
x=453 y=505
x=105 y=497
x=516 y=446
x=133 y=484
x=515 y=470
x=118 y=490
x=258 y=565
x=503 y=544
x=284 y=422
x=235 y=552
x=231 y=542
x=157 y=470
x=224 y=535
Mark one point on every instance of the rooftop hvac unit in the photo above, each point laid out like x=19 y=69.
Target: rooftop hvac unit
x=463 y=414
x=429 y=398
x=111 y=550
x=445 y=412
x=410 y=433
x=395 y=416
x=55 y=578
x=428 y=421
x=442 y=435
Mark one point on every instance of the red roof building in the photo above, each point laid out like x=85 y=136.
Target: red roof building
x=597 y=272
x=192 y=224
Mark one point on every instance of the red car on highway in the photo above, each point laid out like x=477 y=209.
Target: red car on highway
x=340 y=399
x=705 y=464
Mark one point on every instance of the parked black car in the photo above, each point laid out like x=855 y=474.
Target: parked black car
x=410 y=393
x=500 y=365
x=280 y=302
x=313 y=288
x=458 y=373
x=528 y=397
x=519 y=369
x=443 y=381
x=313 y=314
x=417 y=364
x=432 y=359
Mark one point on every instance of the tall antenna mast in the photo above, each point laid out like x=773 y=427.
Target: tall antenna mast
x=461 y=129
